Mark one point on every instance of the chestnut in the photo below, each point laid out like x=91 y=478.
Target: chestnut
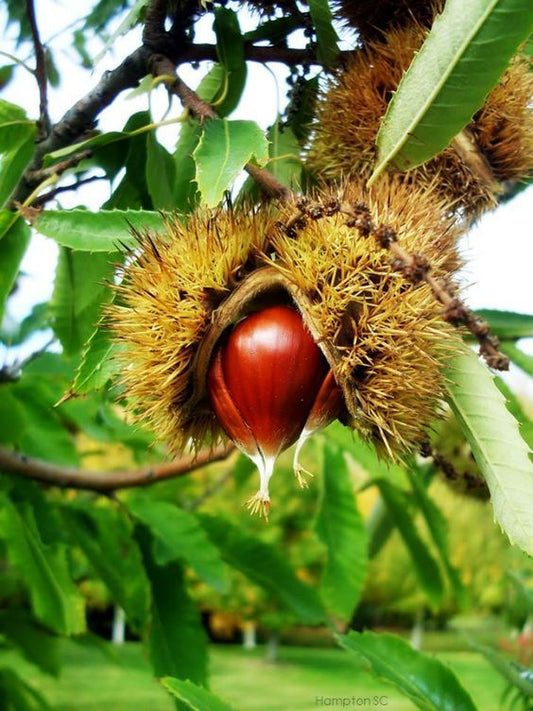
x=270 y=386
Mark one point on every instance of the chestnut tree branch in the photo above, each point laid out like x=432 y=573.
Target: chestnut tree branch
x=40 y=71
x=16 y=464
x=81 y=118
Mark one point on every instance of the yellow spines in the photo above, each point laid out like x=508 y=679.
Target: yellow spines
x=164 y=304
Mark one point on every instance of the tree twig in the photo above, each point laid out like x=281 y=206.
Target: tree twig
x=253 y=53
x=81 y=117
x=40 y=72
x=162 y=66
x=71 y=477
x=154 y=24
x=417 y=268
x=51 y=194
x=37 y=176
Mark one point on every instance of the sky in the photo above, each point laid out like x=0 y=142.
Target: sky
x=498 y=250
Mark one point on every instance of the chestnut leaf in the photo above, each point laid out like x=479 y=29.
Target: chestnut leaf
x=265 y=566
x=429 y=684
x=499 y=450
x=195 y=697
x=55 y=600
x=340 y=527
x=103 y=231
x=13 y=246
x=224 y=149
x=177 y=535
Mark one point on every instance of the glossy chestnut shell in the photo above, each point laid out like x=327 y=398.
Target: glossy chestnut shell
x=266 y=381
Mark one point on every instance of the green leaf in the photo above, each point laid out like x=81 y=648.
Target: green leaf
x=130 y=19
x=45 y=435
x=426 y=569
x=102 y=231
x=106 y=538
x=177 y=640
x=514 y=673
x=17 y=145
x=427 y=682
x=274 y=31
x=13 y=133
x=160 y=174
x=101 y=140
x=54 y=597
x=10 y=112
x=265 y=566
x=437 y=526
x=98 y=418
x=17 y=695
x=185 y=188
x=523 y=360
x=131 y=137
x=102 y=13
x=6 y=75
x=97 y=364
x=365 y=454
x=79 y=42
x=81 y=287
x=499 y=450
x=283 y=161
x=326 y=36
x=34 y=641
x=135 y=164
x=230 y=50
x=463 y=57
x=340 y=527
x=13 y=419
x=12 y=249
x=224 y=149
x=179 y=536
x=515 y=408
x=380 y=527
x=284 y=156
x=52 y=73
x=212 y=85
x=508 y=325
x=195 y=697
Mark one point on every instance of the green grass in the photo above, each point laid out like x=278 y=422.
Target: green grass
x=91 y=680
